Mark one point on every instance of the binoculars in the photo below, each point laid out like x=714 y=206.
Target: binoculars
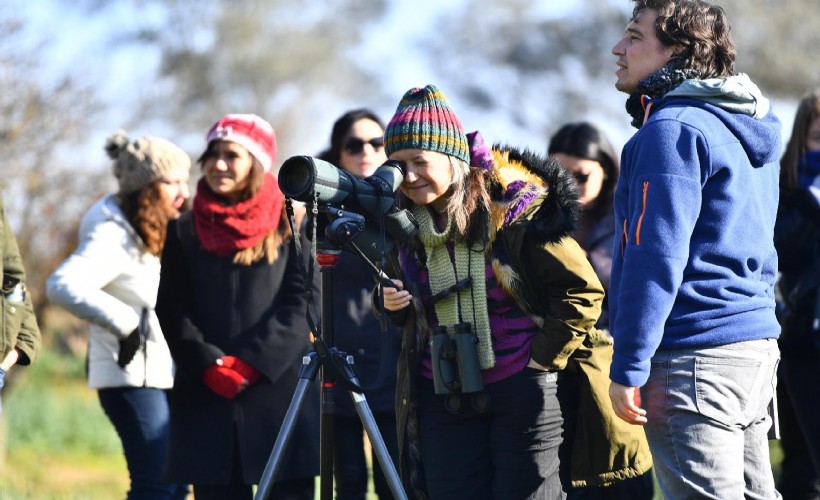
x=455 y=360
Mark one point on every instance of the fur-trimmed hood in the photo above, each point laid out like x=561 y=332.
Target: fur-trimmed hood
x=527 y=187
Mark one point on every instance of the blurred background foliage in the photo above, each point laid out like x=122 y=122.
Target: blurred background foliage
x=516 y=69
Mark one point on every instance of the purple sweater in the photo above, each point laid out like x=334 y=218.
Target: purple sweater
x=512 y=331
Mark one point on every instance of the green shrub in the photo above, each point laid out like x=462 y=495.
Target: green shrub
x=59 y=443
x=52 y=411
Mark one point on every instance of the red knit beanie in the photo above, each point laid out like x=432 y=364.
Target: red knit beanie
x=250 y=131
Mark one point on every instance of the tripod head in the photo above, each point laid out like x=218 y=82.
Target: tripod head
x=348 y=230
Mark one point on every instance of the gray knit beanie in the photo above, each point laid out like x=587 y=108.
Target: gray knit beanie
x=144 y=161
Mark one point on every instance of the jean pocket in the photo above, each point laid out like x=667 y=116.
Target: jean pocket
x=725 y=389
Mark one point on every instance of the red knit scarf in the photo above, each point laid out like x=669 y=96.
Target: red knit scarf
x=224 y=230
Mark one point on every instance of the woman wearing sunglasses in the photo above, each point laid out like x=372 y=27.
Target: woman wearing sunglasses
x=357 y=145
x=586 y=153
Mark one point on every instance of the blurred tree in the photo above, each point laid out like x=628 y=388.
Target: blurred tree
x=528 y=63
x=45 y=188
x=542 y=68
x=516 y=61
x=539 y=66
x=777 y=42
x=280 y=59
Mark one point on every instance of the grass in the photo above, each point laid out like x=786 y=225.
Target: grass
x=58 y=442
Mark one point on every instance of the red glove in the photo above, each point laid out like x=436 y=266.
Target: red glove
x=224 y=381
x=250 y=373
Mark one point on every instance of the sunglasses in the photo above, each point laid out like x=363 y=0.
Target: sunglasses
x=581 y=178
x=354 y=145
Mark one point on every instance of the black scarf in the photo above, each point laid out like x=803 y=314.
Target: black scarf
x=656 y=86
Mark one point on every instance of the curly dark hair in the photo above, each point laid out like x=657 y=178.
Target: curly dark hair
x=701 y=29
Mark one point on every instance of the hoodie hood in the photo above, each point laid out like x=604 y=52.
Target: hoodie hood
x=737 y=94
x=533 y=189
x=740 y=105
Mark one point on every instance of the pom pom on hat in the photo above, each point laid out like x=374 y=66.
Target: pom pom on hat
x=424 y=120
x=249 y=131
x=144 y=161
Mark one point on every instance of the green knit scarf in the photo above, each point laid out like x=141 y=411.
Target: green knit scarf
x=472 y=301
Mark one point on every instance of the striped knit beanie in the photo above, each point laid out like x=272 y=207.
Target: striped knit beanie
x=424 y=120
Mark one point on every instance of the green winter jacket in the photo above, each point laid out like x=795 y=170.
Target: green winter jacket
x=19 y=327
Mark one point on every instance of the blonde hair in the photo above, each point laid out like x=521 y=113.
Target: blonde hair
x=468 y=205
x=268 y=247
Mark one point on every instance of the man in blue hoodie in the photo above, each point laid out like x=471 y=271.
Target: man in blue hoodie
x=692 y=285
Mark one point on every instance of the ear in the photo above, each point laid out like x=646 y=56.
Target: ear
x=677 y=50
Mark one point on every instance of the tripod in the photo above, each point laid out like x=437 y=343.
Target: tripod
x=332 y=364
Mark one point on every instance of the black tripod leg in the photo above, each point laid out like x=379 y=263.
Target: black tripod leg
x=307 y=374
x=377 y=443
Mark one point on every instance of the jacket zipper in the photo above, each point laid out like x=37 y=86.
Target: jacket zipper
x=643 y=211
x=624 y=240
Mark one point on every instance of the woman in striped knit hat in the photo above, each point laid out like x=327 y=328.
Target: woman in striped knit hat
x=498 y=306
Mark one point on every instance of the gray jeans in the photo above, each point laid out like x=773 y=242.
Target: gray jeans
x=707 y=420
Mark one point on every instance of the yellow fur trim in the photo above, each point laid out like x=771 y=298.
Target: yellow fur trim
x=511 y=282
x=508 y=171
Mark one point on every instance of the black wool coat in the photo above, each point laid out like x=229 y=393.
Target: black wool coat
x=209 y=307
x=357 y=332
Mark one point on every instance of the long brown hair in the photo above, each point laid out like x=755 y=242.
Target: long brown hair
x=702 y=30
x=148 y=211
x=468 y=205
x=268 y=247
x=807 y=111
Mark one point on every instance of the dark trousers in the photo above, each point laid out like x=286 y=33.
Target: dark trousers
x=140 y=416
x=636 y=488
x=350 y=466
x=798 y=392
x=297 y=489
x=511 y=450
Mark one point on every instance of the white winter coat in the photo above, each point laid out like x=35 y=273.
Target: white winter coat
x=108 y=280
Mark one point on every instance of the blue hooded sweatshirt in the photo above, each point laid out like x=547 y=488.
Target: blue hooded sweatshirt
x=695 y=208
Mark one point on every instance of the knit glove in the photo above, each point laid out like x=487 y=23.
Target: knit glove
x=128 y=348
x=250 y=373
x=224 y=381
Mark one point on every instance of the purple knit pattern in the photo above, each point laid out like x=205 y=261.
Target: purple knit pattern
x=511 y=330
x=522 y=201
x=481 y=155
